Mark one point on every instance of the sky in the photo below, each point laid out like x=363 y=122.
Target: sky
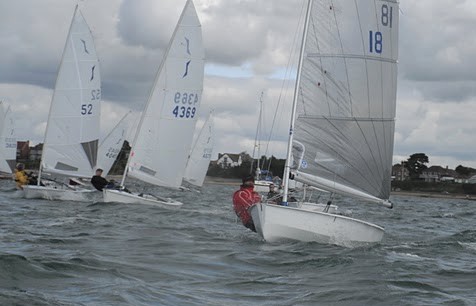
x=250 y=51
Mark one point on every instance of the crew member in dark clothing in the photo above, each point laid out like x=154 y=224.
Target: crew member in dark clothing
x=99 y=182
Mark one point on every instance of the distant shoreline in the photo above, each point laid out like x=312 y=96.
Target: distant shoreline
x=237 y=182
x=423 y=194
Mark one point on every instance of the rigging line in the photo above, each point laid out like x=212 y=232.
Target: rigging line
x=371 y=151
x=256 y=135
x=363 y=52
x=324 y=79
x=349 y=142
x=381 y=93
x=286 y=75
x=345 y=60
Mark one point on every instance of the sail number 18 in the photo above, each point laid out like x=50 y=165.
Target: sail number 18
x=185 y=105
x=376 y=38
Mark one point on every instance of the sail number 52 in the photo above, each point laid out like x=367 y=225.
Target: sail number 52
x=87 y=109
x=376 y=38
x=185 y=105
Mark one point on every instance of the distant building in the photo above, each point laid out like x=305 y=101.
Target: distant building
x=439 y=174
x=400 y=173
x=35 y=152
x=23 y=150
x=228 y=160
x=472 y=180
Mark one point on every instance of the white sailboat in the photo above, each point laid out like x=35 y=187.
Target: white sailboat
x=164 y=136
x=111 y=145
x=8 y=141
x=262 y=179
x=342 y=123
x=73 y=128
x=199 y=159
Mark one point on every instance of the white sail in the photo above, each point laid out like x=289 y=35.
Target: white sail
x=199 y=158
x=8 y=141
x=72 y=133
x=347 y=97
x=111 y=145
x=165 y=133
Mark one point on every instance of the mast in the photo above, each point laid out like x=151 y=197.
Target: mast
x=144 y=112
x=52 y=98
x=287 y=168
x=258 y=130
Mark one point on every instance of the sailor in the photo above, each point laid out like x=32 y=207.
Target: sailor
x=99 y=182
x=274 y=197
x=243 y=199
x=21 y=178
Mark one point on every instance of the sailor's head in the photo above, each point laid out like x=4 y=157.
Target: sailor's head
x=271 y=187
x=248 y=180
x=20 y=166
x=99 y=171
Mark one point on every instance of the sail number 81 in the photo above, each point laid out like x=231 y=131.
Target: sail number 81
x=376 y=38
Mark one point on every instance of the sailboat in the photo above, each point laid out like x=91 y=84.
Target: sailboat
x=199 y=159
x=262 y=177
x=111 y=145
x=164 y=135
x=342 y=121
x=73 y=128
x=8 y=141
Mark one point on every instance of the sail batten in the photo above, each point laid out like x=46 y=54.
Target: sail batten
x=347 y=97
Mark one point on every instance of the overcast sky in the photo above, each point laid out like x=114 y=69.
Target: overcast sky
x=248 y=47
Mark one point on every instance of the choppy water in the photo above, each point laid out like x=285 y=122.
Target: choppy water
x=67 y=253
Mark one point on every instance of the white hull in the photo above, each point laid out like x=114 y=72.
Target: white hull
x=112 y=195
x=63 y=194
x=274 y=223
x=332 y=209
x=262 y=186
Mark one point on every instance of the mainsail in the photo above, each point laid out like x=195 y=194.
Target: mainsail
x=111 y=145
x=347 y=98
x=8 y=141
x=165 y=133
x=72 y=133
x=199 y=158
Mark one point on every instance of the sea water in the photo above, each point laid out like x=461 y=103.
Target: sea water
x=93 y=253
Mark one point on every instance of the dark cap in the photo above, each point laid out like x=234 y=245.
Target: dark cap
x=248 y=178
x=99 y=169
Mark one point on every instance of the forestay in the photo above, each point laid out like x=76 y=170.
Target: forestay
x=199 y=158
x=346 y=108
x=165 y=133
x=8 y=141
x=72 y=133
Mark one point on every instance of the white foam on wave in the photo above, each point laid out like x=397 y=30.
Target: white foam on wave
x=468 y=245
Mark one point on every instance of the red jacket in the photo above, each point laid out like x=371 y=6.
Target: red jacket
x=242 y=200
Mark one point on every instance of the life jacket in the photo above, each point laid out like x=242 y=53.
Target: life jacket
x=242 y=200
x=21 y=178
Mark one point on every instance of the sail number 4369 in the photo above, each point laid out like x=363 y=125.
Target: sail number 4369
x=185 y=105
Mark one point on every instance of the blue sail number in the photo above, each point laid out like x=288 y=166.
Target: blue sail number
x=376 y=38
x=185 y=105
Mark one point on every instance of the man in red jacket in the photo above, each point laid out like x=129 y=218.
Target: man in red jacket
x=244 y=198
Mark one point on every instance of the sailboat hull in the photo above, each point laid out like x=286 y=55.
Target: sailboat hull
x=63 y=194
x=112 y=195
x=274 y=223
